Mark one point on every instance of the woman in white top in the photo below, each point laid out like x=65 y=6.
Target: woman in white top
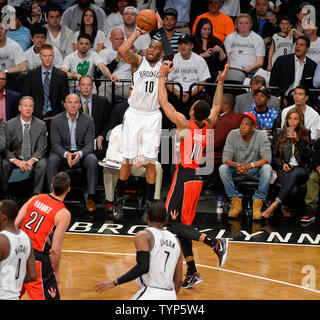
x=245 y=48
x=89 y=25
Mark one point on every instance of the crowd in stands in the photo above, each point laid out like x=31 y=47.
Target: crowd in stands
x=59 y=61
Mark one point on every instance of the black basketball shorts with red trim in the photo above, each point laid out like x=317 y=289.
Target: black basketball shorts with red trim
x=45 y=287
x=183 y=195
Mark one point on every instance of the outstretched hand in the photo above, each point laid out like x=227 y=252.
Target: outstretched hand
x=159 y=20
x=166 y=68
x=104 y=285
x=222 y=75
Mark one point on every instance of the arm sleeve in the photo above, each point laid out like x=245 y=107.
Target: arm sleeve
x=142 y=267
x=167 y=49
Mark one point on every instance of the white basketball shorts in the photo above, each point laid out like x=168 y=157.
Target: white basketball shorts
x=149 y=293
x=141 y=134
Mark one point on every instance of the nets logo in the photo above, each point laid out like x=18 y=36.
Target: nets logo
x=8 y=15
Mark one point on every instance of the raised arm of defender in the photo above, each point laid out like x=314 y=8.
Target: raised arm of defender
x=172 y=114
x=217 y=99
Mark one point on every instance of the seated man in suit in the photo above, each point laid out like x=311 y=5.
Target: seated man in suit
x=99 y=109
x=47 y=84
x=25 y=148
x=72 y=138
x=292 y=70
x=246 y=101
x=9 y=100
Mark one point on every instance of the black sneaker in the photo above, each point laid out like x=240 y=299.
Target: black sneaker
x=221 y=250
x=118 y=209
x=191 y=281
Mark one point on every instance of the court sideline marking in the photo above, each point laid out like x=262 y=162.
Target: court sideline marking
x=204 y=266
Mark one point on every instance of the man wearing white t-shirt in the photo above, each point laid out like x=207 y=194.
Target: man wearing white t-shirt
x=83 y=61
x=116 y=65
x=311 y=117
x=12 y=58
x=129 y=27
x=38 y=37
x=59 y=36
x=314 y=51
x=189 y=68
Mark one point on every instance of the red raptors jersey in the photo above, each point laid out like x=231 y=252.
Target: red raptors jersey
x=192 y=147
x=38 y=223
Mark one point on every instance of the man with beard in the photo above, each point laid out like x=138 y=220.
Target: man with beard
x=142 y=120
x=129 y=27
x=169 y=23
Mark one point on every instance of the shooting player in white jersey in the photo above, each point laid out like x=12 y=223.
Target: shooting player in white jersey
x=159 y=261
x=17 y=263
x=143 y=120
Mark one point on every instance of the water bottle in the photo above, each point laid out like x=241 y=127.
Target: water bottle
x=219 y=205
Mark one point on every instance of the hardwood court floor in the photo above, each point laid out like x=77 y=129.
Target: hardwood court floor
x=252 y=271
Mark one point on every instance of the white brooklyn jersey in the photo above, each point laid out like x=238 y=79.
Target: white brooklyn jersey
x=144 y=95
x=164 y=255
x=282 y=46
x=13 y=268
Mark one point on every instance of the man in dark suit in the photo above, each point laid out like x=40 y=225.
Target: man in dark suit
x=26 y=141
x=47 y=85
x=292 y=70
x=99 y=109
x=72 y=138
x=9 y=100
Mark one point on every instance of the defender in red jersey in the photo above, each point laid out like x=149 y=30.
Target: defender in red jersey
x=187 y=183
x=44 y=218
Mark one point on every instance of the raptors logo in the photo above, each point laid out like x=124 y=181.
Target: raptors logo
x=174 y=215
x=52 y=292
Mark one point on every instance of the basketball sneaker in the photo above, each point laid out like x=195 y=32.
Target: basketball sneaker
x=191 y=281
x=118 y=208
x=307 y=220
x=309 y=217
x=221 y=250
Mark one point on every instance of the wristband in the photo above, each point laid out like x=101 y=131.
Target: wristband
x=115 y=282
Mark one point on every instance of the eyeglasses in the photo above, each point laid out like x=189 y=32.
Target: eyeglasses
x=3 y=79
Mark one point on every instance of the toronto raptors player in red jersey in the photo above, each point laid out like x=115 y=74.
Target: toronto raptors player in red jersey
x=187 y=183
x=44 y=218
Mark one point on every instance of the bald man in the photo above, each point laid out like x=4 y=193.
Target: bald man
x=116 y=65
x=72 y=138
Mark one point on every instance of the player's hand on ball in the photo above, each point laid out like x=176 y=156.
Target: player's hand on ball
x=141 y=31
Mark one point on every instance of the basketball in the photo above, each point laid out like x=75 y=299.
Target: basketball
x=146 y=20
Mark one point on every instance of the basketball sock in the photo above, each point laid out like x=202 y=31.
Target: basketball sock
x=191 y=268
x=121 y=185
x=211 y=242
x=150 y=191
